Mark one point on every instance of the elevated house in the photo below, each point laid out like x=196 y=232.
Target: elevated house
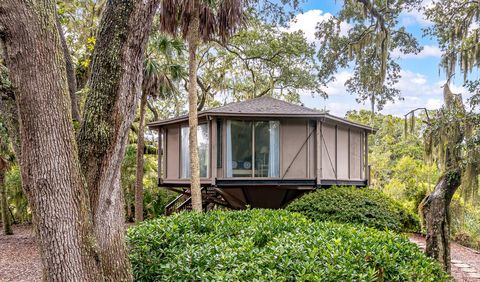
x=263 y=153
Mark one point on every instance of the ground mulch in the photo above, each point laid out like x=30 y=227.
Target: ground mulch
x=20 y=258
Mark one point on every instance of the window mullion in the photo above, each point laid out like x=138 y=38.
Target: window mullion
x=253 y=149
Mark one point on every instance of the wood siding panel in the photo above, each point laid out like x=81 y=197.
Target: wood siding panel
x=172 y=157
x=355 y=154
x=328 y=151
x=342 y=153
x=293 y=136
x=311 y=151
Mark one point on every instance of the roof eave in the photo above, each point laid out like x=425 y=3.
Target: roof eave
x=239 y=114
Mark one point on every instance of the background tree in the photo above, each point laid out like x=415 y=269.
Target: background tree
x=367 y=45
x=452 y=132
x=258 y=60
x=197 y=20
x=5 y=157
x=79 y=20
x=160 y=73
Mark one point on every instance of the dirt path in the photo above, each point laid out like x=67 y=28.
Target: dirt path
x=465 y=261
x=19 y=256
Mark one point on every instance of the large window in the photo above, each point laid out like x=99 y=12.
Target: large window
x=253 y=148
x=203 y=144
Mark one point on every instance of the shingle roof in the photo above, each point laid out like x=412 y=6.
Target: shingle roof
x=263 y=107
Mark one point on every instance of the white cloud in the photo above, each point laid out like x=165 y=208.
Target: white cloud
x=415 y=84
x=416 y=90
x=337 y=87
x=307 y=22
x=416 y=15
x=433 y=104
x=428 y=51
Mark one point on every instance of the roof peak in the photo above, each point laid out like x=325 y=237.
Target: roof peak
x=263 y=105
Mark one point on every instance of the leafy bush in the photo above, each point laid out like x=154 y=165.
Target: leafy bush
x=353 y=205
x=465 y=222
x=18 y=205
x=261 y=245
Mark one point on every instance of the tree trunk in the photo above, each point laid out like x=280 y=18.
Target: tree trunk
x=435 y=210
x=7 y=224
x=114 y=90
x=193 y=38
x=71 y=79
x=50 y=169
x=139 y=172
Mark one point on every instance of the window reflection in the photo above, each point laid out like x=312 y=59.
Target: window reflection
x=253 y=148
x=203 y=150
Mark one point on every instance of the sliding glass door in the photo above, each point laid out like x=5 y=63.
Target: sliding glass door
x=253 y=148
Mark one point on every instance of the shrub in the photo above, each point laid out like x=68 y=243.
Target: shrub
x=261 y=245
x=359 y=206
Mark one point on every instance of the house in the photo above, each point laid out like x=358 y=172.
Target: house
x=262 y=153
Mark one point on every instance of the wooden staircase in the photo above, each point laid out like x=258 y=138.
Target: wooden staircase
x=210 y=198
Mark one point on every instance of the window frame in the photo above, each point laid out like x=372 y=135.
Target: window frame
x=253 y=121
x=208 y=154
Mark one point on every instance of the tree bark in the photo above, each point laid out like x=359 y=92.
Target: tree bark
x=114 y=90
x=50 y=169
x=435 y=210
x=153 y=110
x=71 y=79
x=193 y=39
x=139 y=170
x=71 y=249
x=7 y=223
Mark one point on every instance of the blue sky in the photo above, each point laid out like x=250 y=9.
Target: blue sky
x=420 y=84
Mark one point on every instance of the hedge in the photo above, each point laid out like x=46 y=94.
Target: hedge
x=261 y=245
x=356 y=205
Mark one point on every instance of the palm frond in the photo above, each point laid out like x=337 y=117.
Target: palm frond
x=218 y=19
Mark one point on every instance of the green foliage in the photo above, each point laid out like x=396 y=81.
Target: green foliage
x=154 y=198
x=398 y=161
x=455 y=26
x=366 y=42
x=355 y=205
x=261 y=59
x=465 y=222
x=17 y=201
x=261 y=245
x=399 y=169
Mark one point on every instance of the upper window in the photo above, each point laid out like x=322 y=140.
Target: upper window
x=253 y=148
x=203 y=150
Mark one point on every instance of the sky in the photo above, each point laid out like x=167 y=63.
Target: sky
x=421 y=81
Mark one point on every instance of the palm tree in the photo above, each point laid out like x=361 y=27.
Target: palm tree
x=197 y=20
x=158 y=75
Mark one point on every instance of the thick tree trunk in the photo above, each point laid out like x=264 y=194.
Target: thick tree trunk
x=114 y=90
x=50 y=169
x=71 y=79
x=193 y=39
x=435 y=210
x=139 y=169
x=7 y=223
